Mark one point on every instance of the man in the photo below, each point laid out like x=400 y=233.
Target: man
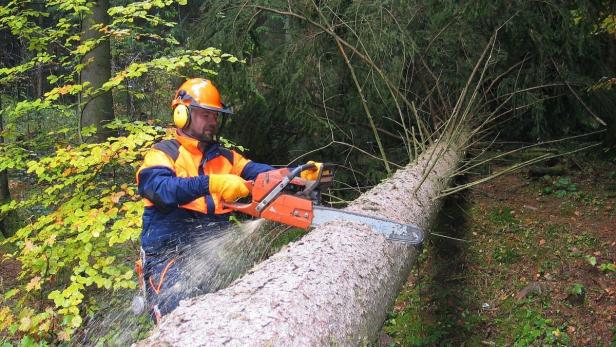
x=183 y=182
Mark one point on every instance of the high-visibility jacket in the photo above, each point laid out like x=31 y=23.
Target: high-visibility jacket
x=174 y=183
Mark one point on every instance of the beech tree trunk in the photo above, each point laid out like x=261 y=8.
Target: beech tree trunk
x=98 y=109
x=332 y=287
x=5 y=194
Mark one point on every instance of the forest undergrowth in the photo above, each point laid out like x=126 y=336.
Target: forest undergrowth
x=535 y=263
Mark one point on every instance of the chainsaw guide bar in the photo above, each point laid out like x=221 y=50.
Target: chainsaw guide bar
x=281 y=196
x=407 y=233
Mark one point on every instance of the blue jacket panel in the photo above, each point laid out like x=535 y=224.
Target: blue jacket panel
x=252 y=169
x=160 y=185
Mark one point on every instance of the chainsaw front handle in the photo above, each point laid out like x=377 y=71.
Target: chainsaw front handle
x=298 y=170
x=308 y=166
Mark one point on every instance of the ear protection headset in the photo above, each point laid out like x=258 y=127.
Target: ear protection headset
x=181 y=113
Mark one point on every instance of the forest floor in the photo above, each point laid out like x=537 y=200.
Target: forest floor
x=536 y=267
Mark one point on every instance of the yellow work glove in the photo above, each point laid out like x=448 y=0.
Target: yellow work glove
x=312 y=174
x=229 y=187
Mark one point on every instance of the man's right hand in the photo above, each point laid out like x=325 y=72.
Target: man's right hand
x=229 y=187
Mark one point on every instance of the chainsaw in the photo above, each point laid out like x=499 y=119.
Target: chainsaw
x=282 y=196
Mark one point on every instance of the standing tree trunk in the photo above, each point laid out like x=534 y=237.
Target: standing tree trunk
x=97 y=109
x=334 y=286
x=5 y=194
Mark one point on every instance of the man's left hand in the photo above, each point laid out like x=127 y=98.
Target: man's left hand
x=312 y=174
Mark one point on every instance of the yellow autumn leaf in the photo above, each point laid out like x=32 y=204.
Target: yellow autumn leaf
x=65 y=89
x=6 y=318
x=64 y=336
x=44 y=327
x=76 y=322
x=25 y=323
x=51 y=240
x=28 y=247
x=115 y=197
x=35 y=283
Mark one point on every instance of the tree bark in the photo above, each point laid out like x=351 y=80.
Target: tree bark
x=5 y=194
x=98 y=109
x=334 y=286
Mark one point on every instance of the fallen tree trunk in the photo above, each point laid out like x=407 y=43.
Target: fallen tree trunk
x=334 y=286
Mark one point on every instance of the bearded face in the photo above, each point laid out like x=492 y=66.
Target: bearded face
x=203 y=124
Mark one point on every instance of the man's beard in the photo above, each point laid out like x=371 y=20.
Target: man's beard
x=202 y=135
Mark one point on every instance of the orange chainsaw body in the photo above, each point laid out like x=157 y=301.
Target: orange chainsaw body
x=286 y=208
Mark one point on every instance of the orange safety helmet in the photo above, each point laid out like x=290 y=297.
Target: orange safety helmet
x=195 y=92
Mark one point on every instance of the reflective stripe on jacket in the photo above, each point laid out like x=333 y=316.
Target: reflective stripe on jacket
x=174 y=183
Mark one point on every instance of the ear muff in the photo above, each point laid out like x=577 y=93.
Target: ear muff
x=181 y=116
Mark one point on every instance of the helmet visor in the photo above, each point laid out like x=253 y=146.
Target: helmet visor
x=223 y=109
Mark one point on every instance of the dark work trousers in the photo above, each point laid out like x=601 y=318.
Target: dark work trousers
x=166 y=267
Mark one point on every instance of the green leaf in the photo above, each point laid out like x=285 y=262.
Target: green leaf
x=577 y=289
x=10 y=293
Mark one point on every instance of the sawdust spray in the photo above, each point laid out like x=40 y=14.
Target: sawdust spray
x=211 y=264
